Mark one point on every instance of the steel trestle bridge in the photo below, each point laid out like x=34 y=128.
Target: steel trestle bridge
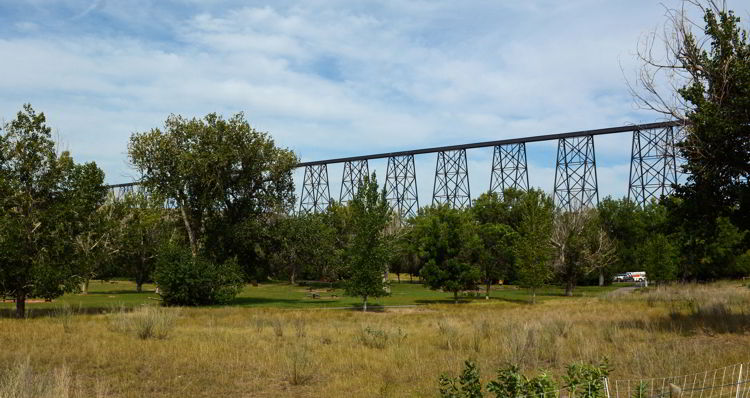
x=653 y=170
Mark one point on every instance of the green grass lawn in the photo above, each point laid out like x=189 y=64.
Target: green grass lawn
x=105 y=295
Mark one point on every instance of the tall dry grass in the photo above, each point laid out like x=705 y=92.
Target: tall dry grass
x=397 y=353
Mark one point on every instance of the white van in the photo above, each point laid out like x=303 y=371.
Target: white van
x=638 y=276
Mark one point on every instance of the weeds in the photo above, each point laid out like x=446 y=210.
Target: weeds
x=299 y=365
x=20 y=381
x=378 y=338
x=145 y=322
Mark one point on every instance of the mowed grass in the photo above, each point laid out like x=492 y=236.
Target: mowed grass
x=265 y=351
x=104 y=295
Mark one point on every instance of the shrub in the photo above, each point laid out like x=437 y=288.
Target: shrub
x=467 y=385
x=510 y=383
x=187 y=280
x=145 y=322
x=586 y=381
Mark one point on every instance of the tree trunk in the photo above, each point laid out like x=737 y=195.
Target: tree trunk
x=364 y=304
x=487 y=292
x=190 y=232
x=20 y=305
x=601 y=278
x=85 y=286
x=398 y=277
x=455 y=297
x=293 y=276
x=533 y=295
x=569 y=288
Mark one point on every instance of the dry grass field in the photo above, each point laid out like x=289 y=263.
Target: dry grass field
x=400 y=352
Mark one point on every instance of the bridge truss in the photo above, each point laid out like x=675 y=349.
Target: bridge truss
x=653 y=170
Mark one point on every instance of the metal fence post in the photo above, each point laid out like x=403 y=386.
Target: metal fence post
x=606 y=386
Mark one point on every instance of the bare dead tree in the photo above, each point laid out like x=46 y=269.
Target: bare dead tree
x=670 y=58
x=582 y=246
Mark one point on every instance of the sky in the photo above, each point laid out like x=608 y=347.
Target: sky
x=335 y=78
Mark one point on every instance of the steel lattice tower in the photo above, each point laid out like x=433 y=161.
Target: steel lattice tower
x=316 y=195
x=401 y=185
x=653 y=165
x=354 y=173
x=509 y=168
x=575 y=173
x=452 y=179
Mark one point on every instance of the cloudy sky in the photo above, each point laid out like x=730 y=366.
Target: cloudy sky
x=334 y=78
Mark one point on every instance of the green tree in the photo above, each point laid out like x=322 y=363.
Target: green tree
x=449 y=246
x=43 y=200
x=534 y=251
x=220 y=174
x=497 y=252
x=304 y=245
x=367 y=254
x=712 y=67
x=142 y=227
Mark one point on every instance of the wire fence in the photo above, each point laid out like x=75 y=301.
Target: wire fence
x=728 y=382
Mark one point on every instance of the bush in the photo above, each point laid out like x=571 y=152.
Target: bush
x=187 y=280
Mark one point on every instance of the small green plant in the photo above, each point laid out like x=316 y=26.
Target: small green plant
x=641 y=390
x=587 y=381
x=467 y=385
x=511 y=383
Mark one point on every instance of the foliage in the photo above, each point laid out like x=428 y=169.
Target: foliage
x=304 y=244
x=587 y=381
x=45 y=201
x=449 y=246
x=511 y=383
x=498 y=243
x=142 y=227
x=467 y=385
x=222 y=175
x=187 y=280
x=534 y=251
x=367 y=254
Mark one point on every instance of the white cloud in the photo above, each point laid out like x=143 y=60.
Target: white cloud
x=331 y=79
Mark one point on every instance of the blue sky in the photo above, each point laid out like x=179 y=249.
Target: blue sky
x=334 y=78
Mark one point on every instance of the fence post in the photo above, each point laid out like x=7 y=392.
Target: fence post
x=606 y=386
x=739 y=380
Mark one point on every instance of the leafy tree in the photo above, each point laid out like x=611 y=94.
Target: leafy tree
x=449 y=246
x=43 y=199
x=712 y=68
x=367 y=254
x=304 y=244
x=184 y=279
x=534 y=250
x=219 y=173
x=658 y=257
x=142 y=227
x=494 y=208
x=497 y=252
